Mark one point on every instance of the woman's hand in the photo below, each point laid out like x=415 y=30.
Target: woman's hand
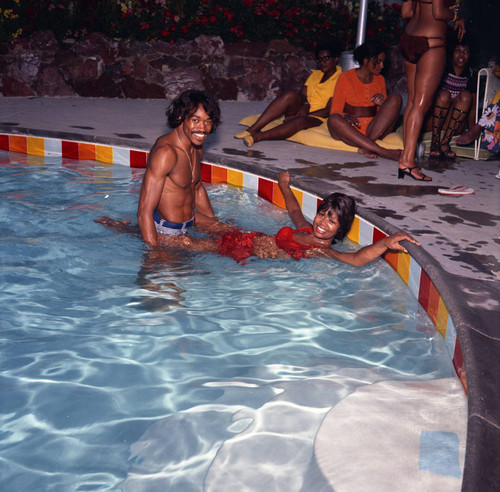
x=460 y=28
x=352 y=120
x=393 y=242
x=378 y=99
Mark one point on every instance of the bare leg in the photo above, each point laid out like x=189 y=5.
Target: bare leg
x=340 y=129
x=455 y=122
x=470 y=135
x=426 y=77
x=286 y=104
x=440 y=112
x=285 y=130
x=386 y=118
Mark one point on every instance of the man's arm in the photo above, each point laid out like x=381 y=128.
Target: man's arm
x=161 y=161
x=292 y=205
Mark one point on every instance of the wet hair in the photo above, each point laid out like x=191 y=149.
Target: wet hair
x=345 y=208
x=330 y=45
x=184 y=105
x=368 y=50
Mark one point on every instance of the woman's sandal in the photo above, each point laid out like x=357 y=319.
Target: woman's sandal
x=447 y=153
x=435 y=151
x=409 y=171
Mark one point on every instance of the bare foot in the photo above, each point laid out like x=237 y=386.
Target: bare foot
x=470 y=135
x=367 y=153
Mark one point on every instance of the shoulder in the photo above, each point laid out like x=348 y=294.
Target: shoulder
x=315 y=75
x=162 y=153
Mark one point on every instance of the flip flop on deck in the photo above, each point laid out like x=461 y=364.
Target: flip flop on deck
x=456 y=190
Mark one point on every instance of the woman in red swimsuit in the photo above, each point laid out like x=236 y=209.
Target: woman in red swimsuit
x=424 y=55
x=332 y=223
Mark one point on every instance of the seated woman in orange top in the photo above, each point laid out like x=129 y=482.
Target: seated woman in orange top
x=361 y=111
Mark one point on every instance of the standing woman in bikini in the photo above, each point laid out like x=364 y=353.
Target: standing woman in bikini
x=423 y=47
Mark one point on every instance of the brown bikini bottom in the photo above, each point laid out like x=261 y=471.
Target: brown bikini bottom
x=413 y=47
x=360 y=111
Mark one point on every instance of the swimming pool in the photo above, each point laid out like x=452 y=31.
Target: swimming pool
x=129 y=371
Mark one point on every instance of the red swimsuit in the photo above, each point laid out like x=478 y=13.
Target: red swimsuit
x=284 y=240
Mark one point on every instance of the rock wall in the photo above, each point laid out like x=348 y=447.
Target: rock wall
x=98 y=66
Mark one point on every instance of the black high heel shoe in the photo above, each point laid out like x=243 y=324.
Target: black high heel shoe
x=408 y=171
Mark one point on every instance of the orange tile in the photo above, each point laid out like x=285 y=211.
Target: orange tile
x=18 y=143
x=86 y=151
x=219 y=174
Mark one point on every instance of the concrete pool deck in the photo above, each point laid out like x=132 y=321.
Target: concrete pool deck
x=460 y=235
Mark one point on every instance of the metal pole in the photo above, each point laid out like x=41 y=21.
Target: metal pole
x=363 y=14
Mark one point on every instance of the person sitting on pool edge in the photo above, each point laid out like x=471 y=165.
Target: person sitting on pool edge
x=332 y=223
x=172 y=196
x=361 y=111
x=302 y=110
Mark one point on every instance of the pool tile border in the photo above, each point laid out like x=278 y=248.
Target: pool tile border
x=362 y=231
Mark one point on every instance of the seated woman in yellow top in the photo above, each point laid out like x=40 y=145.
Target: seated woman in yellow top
x=361 y=111
x=306 y=109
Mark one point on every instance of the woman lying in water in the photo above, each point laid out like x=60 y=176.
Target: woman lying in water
x=332 y=222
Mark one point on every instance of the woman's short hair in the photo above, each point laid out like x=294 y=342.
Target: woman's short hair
x=184 y=105
x=330 y=45
x=368 y=50
x=345 y=208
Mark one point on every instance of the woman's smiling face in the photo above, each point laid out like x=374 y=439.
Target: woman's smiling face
x=326 y=225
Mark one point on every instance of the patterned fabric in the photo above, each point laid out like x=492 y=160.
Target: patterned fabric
x=457 y=84
x=490 y=121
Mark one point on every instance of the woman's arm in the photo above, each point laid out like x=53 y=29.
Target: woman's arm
x=368 y=253
x=407 y=9
x=292 y=205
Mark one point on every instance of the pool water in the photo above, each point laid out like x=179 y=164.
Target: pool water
x=125 y=370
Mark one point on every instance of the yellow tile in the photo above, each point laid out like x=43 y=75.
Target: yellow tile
x=442 y=318
x=235 y=178
x=104 y=154
x=353 y=234
x=36 y=146
x=404 y=267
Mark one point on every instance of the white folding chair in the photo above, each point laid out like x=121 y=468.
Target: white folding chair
x=492 y=84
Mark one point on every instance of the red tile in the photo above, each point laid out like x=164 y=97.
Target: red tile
x=138 y=158
x=4 y=142
x=266 y=189
x=378 y=234
x=69 y=149
x=423 y=291
x=206 y=172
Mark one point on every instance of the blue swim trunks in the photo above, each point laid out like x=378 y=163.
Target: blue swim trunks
x=171 y=228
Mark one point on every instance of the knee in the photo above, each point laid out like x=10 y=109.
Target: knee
x=333 y=122
x=290 y=96
x=464 y=99
x=443 y=98
x=395 y=100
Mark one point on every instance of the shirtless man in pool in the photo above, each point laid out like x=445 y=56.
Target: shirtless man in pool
x=173 y=197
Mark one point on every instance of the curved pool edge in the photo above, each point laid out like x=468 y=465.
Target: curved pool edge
x=452 y=302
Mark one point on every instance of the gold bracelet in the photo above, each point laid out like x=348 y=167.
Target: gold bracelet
x=455 y=16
